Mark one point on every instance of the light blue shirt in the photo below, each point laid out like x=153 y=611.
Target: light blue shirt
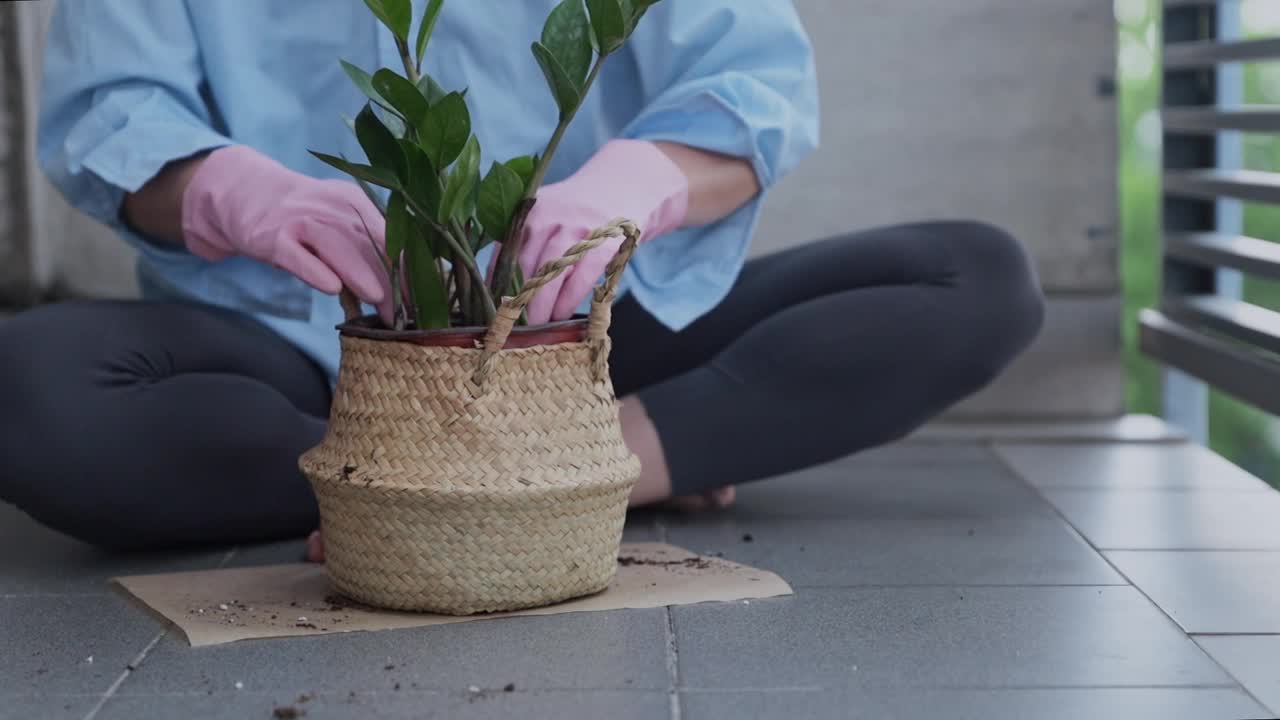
x=132 y=85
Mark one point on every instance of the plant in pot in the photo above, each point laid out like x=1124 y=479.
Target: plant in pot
x=472 y=463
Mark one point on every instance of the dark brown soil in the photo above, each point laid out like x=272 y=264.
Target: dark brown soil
x=337 y=602
x=288 y=712
x=693 y=562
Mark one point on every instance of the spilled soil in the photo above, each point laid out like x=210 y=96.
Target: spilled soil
x=693 y=562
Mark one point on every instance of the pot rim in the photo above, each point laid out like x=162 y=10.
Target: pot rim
x=368 y=327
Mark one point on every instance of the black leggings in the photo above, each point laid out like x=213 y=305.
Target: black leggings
x=141 y=424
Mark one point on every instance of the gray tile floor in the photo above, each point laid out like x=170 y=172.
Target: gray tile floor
x=943 y=578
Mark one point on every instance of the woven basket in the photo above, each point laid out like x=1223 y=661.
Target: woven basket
x=476 y=479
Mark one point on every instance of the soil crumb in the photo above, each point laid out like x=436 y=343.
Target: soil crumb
x=336 y=603
x=288 y=712
x=693 y=562
x=746 y=537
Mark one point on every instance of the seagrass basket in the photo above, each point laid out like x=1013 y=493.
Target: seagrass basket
x=481 y=478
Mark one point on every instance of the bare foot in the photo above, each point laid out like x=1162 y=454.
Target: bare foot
x=653 y=487
x=315 y=547
x=717 y=499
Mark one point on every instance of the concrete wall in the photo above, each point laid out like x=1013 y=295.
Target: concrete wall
x=998 y=110
x=46 y=247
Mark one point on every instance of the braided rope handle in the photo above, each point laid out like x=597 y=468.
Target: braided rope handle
x=351 y=308
x=602 y=300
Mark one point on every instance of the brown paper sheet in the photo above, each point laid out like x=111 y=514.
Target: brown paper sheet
x=220 y=606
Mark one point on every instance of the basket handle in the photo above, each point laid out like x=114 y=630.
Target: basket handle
x=351 y=309
x=601 y=303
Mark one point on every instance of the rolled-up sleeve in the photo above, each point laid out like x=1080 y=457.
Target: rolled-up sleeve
x=121 y=97
x=735 y=78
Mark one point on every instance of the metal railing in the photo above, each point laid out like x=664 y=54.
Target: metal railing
x=1230 y=344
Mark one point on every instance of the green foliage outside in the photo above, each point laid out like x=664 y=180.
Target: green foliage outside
x=1243 y=434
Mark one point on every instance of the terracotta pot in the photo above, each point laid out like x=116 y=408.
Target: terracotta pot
x=370 y=327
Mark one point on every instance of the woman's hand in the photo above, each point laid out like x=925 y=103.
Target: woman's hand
x=633 y=179
x=327 y=233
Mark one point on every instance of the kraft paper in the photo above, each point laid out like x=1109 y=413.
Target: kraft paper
x=220 y=606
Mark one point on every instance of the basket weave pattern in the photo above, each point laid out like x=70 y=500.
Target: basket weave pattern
x=447 y=489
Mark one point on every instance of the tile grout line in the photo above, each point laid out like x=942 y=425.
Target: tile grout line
x=1181 y=490
x=1233 y=634
x=1008 y=466
x=672 y=649
x=1243 y=687
x=1002 y=462
x=999 y=688
x=128 y=670
x=673 y=666
x=137 y=661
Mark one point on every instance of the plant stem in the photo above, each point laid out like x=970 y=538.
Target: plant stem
x=503 y=275
x=454 y=236
x=460 y=254
x=544 y=162
x=464 y=297
x=460 y=232
x=410 y=65
x=398 y=306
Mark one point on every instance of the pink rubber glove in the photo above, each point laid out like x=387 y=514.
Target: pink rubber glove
x=626 y=178
x=241 y=202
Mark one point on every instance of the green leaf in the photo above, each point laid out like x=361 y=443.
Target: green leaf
x=397 y=231
x=424 y=179
x=470 y=200
x=431 y=89
x=381 y=147
x=524 y=166
x=461 y=180
x=427 y=26
x=567 y=34
x=430 y=299
x=389 y=118
x=424 y=182
x=634 y=10
x=376 y=176
x=392 y=120
x=373 y=196
x=608 y=23
x=500 y=193
x=566 y=93
x=444 y=130
x=395 y=14
x=403 y=95
x=364 y=82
